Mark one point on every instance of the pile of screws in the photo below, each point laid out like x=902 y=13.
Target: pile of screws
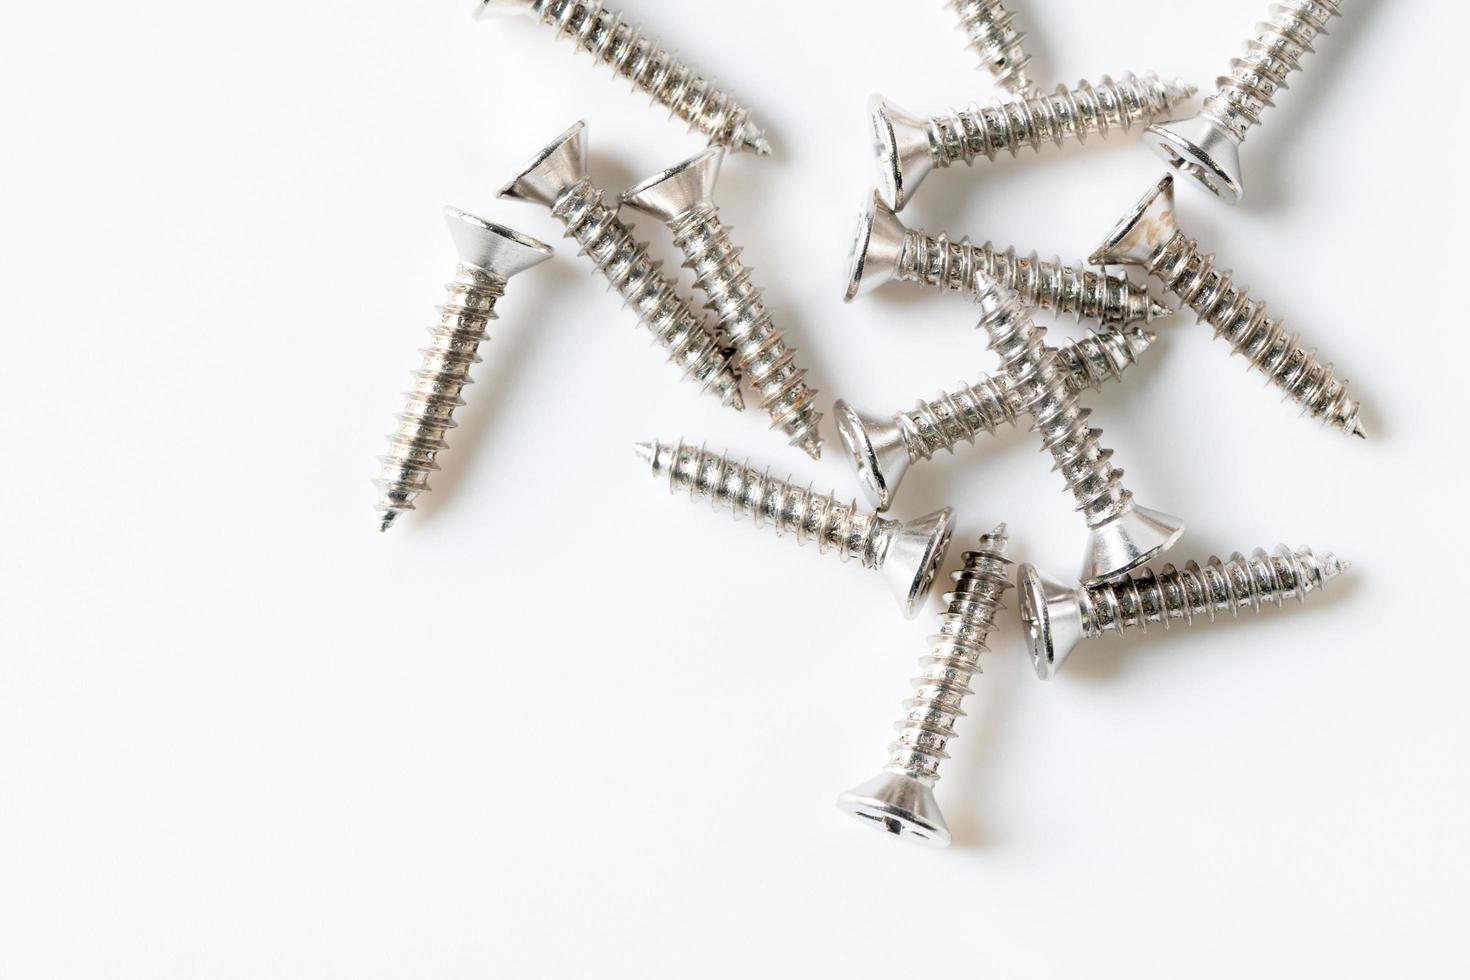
x=740 y=344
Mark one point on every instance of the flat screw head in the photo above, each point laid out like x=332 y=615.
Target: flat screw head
x=1203 y=150
x=878 y=452
x=877 y=247
x=675 y=192
x=914 y=556
x=905 y=156
x=1143 y=230
x=1127 y=541
x=558 y=166
x=1052 y=618
x=901 y=805
x=493 y=248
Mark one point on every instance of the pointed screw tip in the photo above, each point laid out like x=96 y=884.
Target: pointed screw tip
x=388 y=518
x=644 y=451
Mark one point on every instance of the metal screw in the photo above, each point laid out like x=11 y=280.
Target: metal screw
x=488 y=256
x=885 y=250
x=907 y=554
x=650 y=68
x=683 y=198
x=882 y=450
x=990 y=30
x=1121 y=534
x=557 y=178
x=1150 y=237
x=1057 y=617
x=1207 y=147
x=909 y=147
x=900 y=799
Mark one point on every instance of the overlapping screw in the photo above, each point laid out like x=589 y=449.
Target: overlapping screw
x=1121 y=534
x=488 y=256
x=668 y=81
x=900 y=799
x=990 y=31
x=908 y=554
x=1207 y=147
x=882 y=450
x=1149 y=237
x=885 y=250
x=683 y=198
x=909 y=147
x=1057 y=617
x=557 y=178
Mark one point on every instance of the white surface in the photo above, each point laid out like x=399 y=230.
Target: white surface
x=559 y=724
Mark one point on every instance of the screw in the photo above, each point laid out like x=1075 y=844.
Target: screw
x=885 y=250
x=1122 y=534
x=557 y=177
x=1057 y=617
x=488 y=256
x=1150 y=237
x=989 y=29
x=682 y=197
x=651 y=69
x=900 y=799
x=882 y=450
x=907 y=554
x=909 y=146
x=1207 y=147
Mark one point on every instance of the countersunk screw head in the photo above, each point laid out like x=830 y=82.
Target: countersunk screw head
x=914 y=556
x=682 y=188
x=878 y=452
x=903 y=805
x=905 y=155
x=1143 y=230
x=561 y=164
x=1204 y=151
x=1052 y=618
x=876 y=248
x=1127 y=541
x=491 y=248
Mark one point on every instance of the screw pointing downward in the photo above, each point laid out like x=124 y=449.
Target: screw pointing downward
x=909 y=146
x=488 y=256
x=882 y=450
x=651 y=69
x=1207 y=147
x=907 y=554
x=1149 y=237
x=1057 y=617
x=900 y=799
x=683 y=198
x=990 y=30
x=884 y=250
x=557 y=178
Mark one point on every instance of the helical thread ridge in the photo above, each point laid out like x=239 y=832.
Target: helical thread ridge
x=691 y=343
x=1275 y=52
x=989 y=30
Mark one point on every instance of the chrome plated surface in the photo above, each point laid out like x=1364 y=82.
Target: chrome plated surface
x=990 y=31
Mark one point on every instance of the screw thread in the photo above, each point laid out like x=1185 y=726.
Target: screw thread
x=760 y=350
x=850 y=531
x=990 y=31
x=1063 y=115
x=1042 y=393
x=1253 y=334
x=624 y=262
x=954 y=658
x=1275 y=52
x=935 y=260
x=652 y=69
x=987 y=405
x=454 y=344
x=1175 y=594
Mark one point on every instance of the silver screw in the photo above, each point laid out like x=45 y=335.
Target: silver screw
x=683 y=198
x=909 y=146
x=488 y=256
x=1149 y=237
x=1207 y=147
x=907 y=554
x=557 y=178
x=1121 y=534
x=668 y=81
x=1057 y=617
x=900 y=799
x=990 y=30
x=882 y=450
x=885 y=250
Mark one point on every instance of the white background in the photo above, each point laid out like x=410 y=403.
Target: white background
x=560 y=724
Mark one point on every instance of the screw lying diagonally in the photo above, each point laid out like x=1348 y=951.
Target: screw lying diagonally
x=882 y=450
x=668 y=81
x=989 y=30
x=1149 y=237
x=1057 y=617
x=1121 y=534
x=907 y=554
x=900 y=799
x=885 y=250
x=683 y=198
x=488 y=256
x=909 y=147
x=557 y=178
x=1207 y=147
